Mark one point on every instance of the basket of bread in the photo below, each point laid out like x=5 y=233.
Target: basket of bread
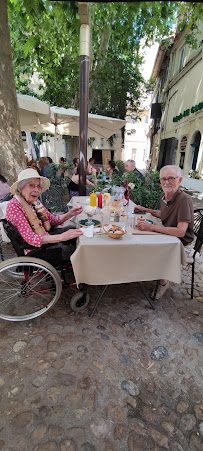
x=114 y=231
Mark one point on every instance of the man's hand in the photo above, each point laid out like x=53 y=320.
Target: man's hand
x=76 y=210
x=70 y=234
x=138 y=208
x=144 y=225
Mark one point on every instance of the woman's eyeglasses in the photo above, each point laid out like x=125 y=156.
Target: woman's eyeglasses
x=169 y=179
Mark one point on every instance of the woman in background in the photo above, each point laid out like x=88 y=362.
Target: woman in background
x=4 y=188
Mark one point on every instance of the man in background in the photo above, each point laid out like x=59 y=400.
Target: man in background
x=130 y=167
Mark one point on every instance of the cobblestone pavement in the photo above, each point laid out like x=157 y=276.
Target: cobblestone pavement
x=127 y=379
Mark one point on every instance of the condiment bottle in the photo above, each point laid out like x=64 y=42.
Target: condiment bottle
x=93 y=199
x=126 y=193
x=100 y=200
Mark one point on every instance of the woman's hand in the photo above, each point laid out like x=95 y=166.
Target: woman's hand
x=70 y=234
x=76 y=211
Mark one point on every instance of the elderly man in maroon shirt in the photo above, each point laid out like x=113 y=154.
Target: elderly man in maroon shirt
x=176 y=213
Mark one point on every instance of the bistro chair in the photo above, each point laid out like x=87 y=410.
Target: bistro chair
x=198 y=231
x=52 y=200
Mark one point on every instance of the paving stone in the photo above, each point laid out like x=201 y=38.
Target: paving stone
x=196 y=442
x=19 y=345
x=119 y=431
x=130 y=387
x=68 y=445
x=22 y=420
x=201 y=428
x=87 y=447
x=100 y=429
x=182 y=407
x=48 y=446
x=199 y=411
x=199 y=336
x=74 y=399
x=135 y=442
x=115 y=412
x=39 y=432
x=187 y=422
x=138 y=426
x=108 y=446
x=159 y=439
x=159 y=353
x=55 y=431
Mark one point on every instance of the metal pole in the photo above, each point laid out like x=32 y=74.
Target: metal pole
x=84 y=92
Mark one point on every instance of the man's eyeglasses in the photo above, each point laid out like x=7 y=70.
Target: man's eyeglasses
x=169 y=179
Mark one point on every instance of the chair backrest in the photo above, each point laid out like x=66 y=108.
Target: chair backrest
x=17 y=241
x=52 y=200
x=198 y=229
x=7 y=197
x=198 y=215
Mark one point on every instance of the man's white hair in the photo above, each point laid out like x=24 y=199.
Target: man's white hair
x=172 y=166
x=132 y=162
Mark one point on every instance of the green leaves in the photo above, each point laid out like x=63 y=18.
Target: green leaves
x=45 y=37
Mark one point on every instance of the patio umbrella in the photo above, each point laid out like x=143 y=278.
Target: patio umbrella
x=65 y=121
x=32 y=112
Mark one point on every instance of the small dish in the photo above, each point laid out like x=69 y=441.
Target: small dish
x=150 y=221
x=84 y=223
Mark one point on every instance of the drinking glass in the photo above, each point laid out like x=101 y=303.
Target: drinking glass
x=131 y=223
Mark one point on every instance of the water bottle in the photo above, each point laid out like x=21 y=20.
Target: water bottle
x=103 y=176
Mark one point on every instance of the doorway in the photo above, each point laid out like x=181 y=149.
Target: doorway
x=195 y=146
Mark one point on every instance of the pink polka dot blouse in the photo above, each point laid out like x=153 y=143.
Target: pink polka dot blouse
x=18 y=217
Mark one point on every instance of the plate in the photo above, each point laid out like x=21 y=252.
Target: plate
x=150 y=221
x=84 y=223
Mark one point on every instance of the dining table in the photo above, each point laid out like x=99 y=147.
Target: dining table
x=137 y=256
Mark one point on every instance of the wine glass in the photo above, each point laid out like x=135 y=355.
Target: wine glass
x=90 y=211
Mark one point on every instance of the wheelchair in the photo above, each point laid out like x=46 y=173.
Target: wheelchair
x=30 y=286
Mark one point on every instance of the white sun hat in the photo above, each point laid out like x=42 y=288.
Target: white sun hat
x=29 y=174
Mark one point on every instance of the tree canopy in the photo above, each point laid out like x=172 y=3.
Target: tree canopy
x=45 y=38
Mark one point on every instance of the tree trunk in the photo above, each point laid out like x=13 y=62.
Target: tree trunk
x=12 y=157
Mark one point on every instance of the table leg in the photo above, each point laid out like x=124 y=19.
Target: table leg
x=98 y=301
x=145 y=294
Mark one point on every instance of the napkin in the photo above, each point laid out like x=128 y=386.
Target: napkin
x=88 y=231
x=91 y=230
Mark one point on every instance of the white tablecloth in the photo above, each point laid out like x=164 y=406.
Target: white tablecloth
x=102 y=260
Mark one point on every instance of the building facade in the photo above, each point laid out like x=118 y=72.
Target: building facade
x=176 y=129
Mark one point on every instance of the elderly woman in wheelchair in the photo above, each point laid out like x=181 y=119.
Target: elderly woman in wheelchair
x=30 y=286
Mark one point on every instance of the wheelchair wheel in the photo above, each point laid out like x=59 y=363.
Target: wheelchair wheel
x=79 y=301
x=33 y=293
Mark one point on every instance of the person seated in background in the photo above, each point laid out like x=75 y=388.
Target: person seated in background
x=76 y=163
x=4 y=188
x=60 y=173
x=90 y=169
x=36 y=224
x=130 y=167
x=176 y=213
x=32 y=164
x=50 y=160
x=45 y=168
x=74 y=185
x=62 y=160
x=112 y=168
